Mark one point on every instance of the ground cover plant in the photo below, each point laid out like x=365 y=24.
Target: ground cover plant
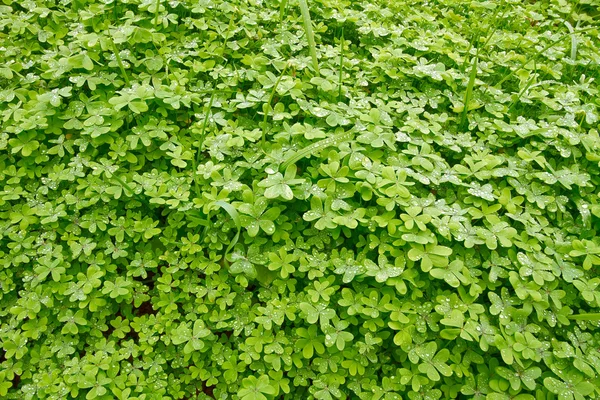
x=300 y=199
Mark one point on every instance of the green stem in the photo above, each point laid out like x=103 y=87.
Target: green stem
x=268 y=105
x=473 y=74
x=573 y=41
x=156 y=12
x=585 y=317
x=215 y=90
x=469 y=91
x=204 y=124
x=282 y=8
x=128 y=188
x=537 y=54
x=316 y=148
x=119 y=61
x=466 y=62
x=195 y=174
x=309 y=34
x=341 y=66
x=196 y=160
x=229 y=26
x=527 y=86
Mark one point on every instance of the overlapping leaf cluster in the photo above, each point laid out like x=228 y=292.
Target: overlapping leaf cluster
x=385 y=240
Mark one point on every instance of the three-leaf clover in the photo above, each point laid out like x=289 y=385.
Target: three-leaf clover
x=259 y=216
x=256 y=388
x=431 y=255
x=433 y=362
x=309 y=341
x=191 y=337
x=278 y=185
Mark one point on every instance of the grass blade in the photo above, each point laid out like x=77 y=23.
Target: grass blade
x=236 y=220
x=585 y=317
x=282 y=8
x=267 y=106
x=341 y=65
x=469 y=91
x=204 y=124
x=199 y=221
x=309 y=34
x=126 y=186
x=315 y=148
x=465 y=63
x=537 y=54
x=527 y=86
x=196 y=159
x=156 y=12
x=573 y=40
x=215 y=90
x=473 y=74
x=119 y=61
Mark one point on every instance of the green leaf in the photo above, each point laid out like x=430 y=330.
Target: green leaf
x=236 y=220
x=430 y=255
x=256 y=388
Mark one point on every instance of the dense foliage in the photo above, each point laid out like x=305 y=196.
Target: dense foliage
x=192 y=208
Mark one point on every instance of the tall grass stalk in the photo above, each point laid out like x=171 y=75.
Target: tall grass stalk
x=129 y=189
x=282 y=8
x=229 y=209
x=573 y=40
x=316 y=148
x=585 y=317
x=473 y=74
x=119 y=61
x=205 y=124
x=341 y=66
x=267 y=106
x=309 y=34
x=156 y=12
x=527 y=86
x=469 y=91
x=215 y=90
x=540 y=52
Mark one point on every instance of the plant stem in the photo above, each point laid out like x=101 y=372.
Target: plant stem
x=282 y=8
x=473 y=74
x=341 y=66
x=229 y=26
x=316 y=148
x=268 y=105
x=196 y=160
x=204 y=124
x=573 y=40
x=119 y=61
x=585 y=317
x=309 y=34
x=156 y=12
x=469 y=91
x=128 y=188
x=215 y=90
x=527 y=86
x=537 y=54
